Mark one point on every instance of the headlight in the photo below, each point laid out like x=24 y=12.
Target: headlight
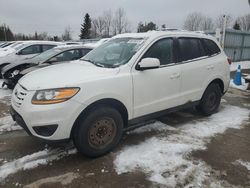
x=53 y=96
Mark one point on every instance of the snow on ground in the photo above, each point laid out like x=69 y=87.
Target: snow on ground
x=4 y=92
x=244 y=85
x=165 y=158
x=245 y=164
x=34 y=160
x=7 y=125
x=243 y=64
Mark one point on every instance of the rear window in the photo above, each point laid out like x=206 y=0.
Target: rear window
x=191 y=48
x=211 y=47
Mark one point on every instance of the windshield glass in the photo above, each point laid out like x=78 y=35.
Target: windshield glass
x=46 y=55
x=114 y=53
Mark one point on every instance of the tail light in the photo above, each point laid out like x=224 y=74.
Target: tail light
x=229 y=60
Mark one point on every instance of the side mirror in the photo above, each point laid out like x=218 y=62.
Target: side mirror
x=148 y=63
x=19 y=53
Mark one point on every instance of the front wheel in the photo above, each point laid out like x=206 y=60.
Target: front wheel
x=98 y=132
x=210 y=101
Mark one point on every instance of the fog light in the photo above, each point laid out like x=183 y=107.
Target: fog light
x=48 y=130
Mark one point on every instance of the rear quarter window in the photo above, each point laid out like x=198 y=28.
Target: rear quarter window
x=190 y=48
x=211 y=47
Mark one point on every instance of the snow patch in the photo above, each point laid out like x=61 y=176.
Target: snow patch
x=165 y=158
x=244 y=163
x=7 y=125
x=34 y=160
x=244 y=85
x=4 y=92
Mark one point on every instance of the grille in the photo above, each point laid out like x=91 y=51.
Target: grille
x=19 y=95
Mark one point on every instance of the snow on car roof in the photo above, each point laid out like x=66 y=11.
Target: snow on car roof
x=72 y=47
x=155 y=34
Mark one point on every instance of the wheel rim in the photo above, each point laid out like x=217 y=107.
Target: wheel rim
x=102 y=132
x=211 y=102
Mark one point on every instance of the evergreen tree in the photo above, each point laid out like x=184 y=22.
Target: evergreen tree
x=6 y=33
x=236 y=26
x=146 y=27
x=86 y=28
x=36 y=36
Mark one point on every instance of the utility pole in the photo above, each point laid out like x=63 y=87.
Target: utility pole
x=224 y=31
x=5 y=35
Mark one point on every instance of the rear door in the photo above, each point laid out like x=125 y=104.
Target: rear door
x=195 y=67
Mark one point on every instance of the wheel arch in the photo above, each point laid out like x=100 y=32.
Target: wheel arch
x=118 y=105
x=219 y=82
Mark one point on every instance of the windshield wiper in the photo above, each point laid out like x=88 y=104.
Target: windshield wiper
x=94 y=63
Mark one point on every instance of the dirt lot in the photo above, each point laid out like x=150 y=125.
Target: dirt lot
x=181 y=149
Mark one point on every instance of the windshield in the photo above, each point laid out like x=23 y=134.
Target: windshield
x=114 y=53
x=46 y=55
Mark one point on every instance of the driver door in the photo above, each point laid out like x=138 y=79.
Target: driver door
x=157 y=89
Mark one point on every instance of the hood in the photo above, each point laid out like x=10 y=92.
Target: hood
x=7 y=51
x=16 y=64
x=64 y=75
x=34 y=67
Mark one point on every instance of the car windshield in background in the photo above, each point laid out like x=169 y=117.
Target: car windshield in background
x=114 y=53
x=46 y=55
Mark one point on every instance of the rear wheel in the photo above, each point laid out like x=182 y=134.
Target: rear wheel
x=98 y=132
x=211 y=99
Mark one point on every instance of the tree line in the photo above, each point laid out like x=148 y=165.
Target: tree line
x=110 y=23
x=106 y=25
x=199 y=22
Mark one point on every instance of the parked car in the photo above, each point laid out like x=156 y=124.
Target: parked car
x=24 y=50
x=129 y=79
x=5 y=44
x=13 y=72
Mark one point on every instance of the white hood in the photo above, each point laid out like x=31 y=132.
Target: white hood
x=70 y=74
x=6 y=52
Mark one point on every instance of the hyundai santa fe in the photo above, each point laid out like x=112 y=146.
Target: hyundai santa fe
x=129 y=79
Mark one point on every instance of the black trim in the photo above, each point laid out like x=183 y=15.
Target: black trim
x=17 y=118
x=135 y=121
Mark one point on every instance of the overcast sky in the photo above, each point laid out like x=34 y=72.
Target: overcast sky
x=52 y=16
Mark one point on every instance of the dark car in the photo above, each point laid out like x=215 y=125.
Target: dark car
x=13 y=72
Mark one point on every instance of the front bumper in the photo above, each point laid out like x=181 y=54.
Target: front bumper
x=35 y=118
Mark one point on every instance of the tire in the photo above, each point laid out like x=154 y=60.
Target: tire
x=210 y=100
x=98 y=132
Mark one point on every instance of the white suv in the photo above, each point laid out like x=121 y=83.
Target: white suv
x=131 y=78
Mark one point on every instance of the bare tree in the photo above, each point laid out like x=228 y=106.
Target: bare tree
x=120 y=22
x=244 y=22
x=219 y=22
x=207 y=24
x=99 y=24
x=67 y=35
x=107 y=16
x=193 y=21
x=197 y=21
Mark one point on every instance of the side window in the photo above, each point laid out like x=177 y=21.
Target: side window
x=211 y=47
x=34 y=49
x=85 y=51
x=162 y=50
x=190 y=48
x=47 y=47
x=67 y=56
